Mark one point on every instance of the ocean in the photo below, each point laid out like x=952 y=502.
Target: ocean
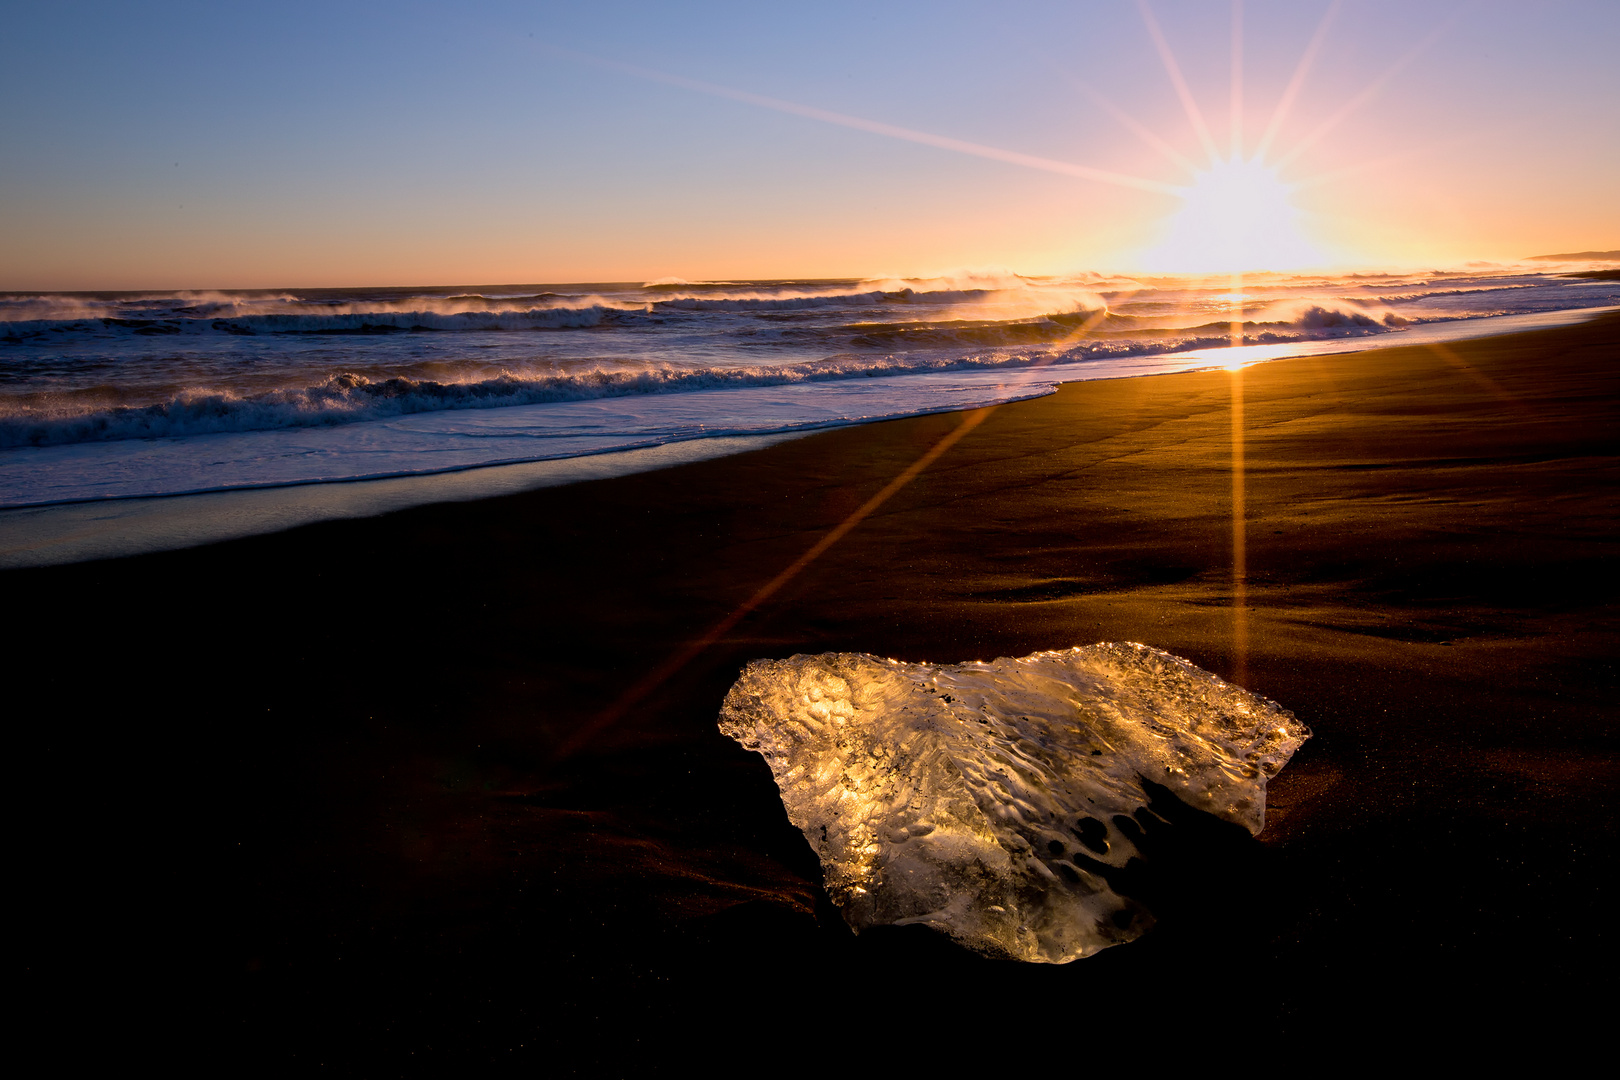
x=121 y=396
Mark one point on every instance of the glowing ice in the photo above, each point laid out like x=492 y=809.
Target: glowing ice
x=980 y=798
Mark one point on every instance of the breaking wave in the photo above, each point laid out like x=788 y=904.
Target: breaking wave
x=1272 y=325
x=44 y=419
x=360 y=322
x=33 y=317
x=100 y=367
x=351 y=397
x=789 y=303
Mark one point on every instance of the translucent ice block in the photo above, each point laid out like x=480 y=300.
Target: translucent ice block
x=980 y=799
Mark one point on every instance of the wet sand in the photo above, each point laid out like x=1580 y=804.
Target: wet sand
x=445 y=785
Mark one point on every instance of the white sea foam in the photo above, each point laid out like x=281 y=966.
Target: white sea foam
x=267 y=379
x=368 y=319
x=998 y=801
x=351 y=398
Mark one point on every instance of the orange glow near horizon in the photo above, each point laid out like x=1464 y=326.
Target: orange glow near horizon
x=1171 y=156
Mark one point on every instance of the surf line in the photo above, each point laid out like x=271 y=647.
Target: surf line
x=687 y=653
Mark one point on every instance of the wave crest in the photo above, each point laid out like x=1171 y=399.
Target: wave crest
x=918 y=348
x=358 y=322
x=349 y=397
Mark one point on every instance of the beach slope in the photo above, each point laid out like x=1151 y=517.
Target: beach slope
x=447 y=782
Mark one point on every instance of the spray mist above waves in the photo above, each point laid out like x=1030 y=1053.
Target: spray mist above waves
x=86 y=368
x=1002 y=802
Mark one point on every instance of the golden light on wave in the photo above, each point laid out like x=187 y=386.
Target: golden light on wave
x=1236 y=216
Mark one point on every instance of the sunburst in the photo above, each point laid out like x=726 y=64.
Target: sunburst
x=1234 y=211
x=1235 y=215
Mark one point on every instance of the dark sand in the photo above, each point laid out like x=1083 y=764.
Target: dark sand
x=358 y=793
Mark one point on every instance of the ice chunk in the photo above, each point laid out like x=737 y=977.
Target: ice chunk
x=981 y=798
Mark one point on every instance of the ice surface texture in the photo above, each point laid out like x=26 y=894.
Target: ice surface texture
x=981 y=799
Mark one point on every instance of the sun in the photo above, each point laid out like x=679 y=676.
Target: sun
x=1236 y=216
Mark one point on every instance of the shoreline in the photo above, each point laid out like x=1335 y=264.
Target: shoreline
x=75 y=530
x=449 y=815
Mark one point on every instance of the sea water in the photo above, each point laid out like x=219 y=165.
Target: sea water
x=126 y=396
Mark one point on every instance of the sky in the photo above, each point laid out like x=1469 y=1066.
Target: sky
x=246 y=145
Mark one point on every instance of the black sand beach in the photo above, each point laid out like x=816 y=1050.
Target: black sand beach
x=445 y=786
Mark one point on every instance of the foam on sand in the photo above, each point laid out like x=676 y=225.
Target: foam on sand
x=994 y=801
